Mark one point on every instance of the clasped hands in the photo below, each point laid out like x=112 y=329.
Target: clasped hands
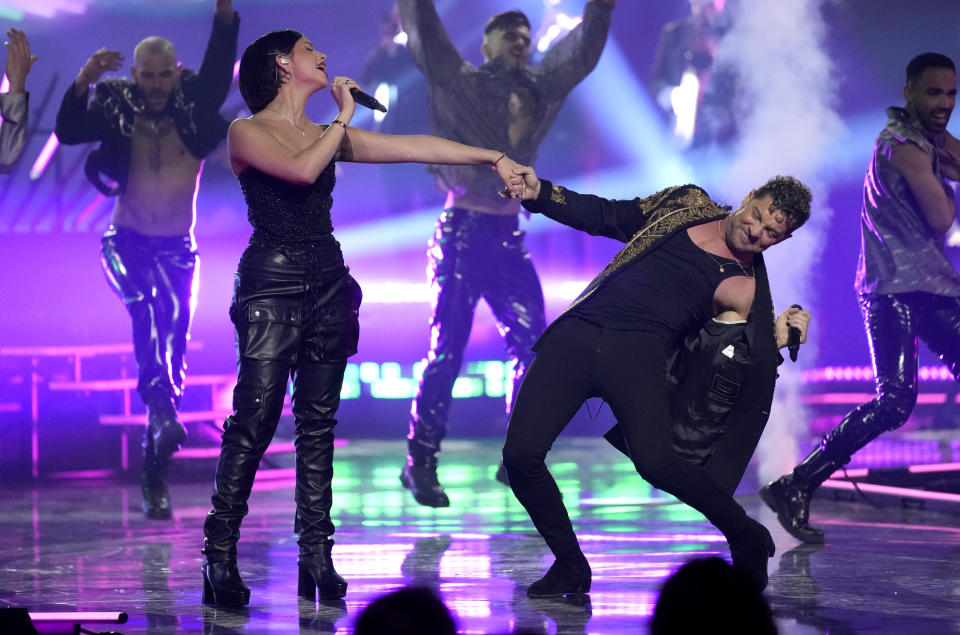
x=520 y=181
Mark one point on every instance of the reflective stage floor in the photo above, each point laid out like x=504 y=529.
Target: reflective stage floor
x=85 y=546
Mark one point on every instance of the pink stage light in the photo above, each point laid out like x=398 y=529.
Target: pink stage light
x=871 y=488
x=89 y=209
x=654 y=538
x=828 y=398
x=934 y=467
x=84 y=474
x=865 y=373
x=856 y=473
x=43 y=159
x=112 y=617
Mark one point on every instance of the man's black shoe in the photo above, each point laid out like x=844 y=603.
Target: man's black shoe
x=562 y=579
x=750 y=550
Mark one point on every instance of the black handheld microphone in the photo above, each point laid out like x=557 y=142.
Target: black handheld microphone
x=366 y=100
x=793 y=337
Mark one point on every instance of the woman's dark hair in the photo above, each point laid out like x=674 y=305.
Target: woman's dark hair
x=260 y=79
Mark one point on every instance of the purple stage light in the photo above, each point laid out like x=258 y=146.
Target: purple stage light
x=43 y=159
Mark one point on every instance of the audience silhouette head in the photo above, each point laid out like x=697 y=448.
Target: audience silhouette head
x=707 y=595
x=410 y=611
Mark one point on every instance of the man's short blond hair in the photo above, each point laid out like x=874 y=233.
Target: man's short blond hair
x=154 y=45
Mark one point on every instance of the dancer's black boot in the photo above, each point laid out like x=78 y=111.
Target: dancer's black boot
x=221 y=529
x=222 y=585
x=420 y=477
x=314 y=442
x=317 y=576
x=789 y=496
x=164 y=429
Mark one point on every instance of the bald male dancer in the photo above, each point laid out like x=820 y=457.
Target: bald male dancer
x=154 y=133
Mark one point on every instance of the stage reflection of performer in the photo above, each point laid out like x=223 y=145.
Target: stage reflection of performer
x=690 y=279
x=477 y=250
x=13 y=104
x=295 y=306
x=154 y=133
x=680 y=79
x=906 y=284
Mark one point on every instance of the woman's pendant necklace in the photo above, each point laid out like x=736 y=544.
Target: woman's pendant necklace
x=302 y=133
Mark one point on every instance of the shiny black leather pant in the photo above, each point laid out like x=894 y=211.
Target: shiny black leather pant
x=579 y=360
x=154 y=276
x=893 y=324
x=286 y=325
x=472 y=256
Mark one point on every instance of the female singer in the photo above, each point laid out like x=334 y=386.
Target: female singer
x=295 y=305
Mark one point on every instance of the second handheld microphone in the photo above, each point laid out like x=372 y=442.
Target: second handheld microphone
x=793 y=337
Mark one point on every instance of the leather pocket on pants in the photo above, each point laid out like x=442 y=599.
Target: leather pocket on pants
x=338 y=331
x=247 y=399
x=272 y=331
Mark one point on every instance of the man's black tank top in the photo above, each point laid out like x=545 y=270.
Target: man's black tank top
x=667 y=292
